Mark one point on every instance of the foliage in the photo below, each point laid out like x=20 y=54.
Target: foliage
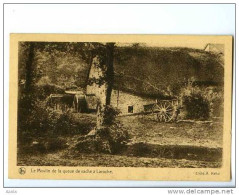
x=201 y=102
x=216 y=101
x=39 y=128
x=67 y=64
x=64 y=124
x=33 y=115
x=110 y=114
x=63 y=63
x=67 y=124
x=196 y=106
x=111 y=138
x=43 y=145
x=54 y=144
x=37 y=119
x=43 y=91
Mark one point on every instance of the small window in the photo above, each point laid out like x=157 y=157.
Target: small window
x=130 y=109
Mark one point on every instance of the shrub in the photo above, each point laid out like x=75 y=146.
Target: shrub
x=217 y=107
x=110 y=140
x=67 y=124
x=35 y=118
x=43 y=145
x=64 y=124
x=39 y=120
x=54 y=144
x=86 y=144
x=216 y=101
x=196 y=107
x=44 y=87
x=35 y=148
x=43 y=91
x=201 y=102
x=110 y=114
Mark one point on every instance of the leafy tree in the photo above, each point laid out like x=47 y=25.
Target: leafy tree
x=102 y=60
x=65 y=64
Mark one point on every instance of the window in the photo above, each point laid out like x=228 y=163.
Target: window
x=130 y=109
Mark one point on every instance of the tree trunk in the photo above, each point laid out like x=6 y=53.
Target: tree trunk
x=104 y=95
x=30 y=68
x=109 y=71
x=100 y=116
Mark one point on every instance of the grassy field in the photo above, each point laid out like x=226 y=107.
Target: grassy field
x=146 y=129
x=152 y=144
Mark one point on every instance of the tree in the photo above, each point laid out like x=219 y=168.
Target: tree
x=26 y=64
x=102 y=78
x=54 y=59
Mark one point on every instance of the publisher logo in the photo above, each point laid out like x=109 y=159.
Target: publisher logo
x=22 y=170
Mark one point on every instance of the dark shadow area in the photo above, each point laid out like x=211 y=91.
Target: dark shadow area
x=174 y=152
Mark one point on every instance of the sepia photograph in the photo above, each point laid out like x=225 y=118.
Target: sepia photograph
x=122 y=104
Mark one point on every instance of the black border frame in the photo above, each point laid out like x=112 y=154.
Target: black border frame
x=233 y=70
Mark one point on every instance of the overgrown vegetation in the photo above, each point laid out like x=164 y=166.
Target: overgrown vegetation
x=42 y=120
x=112 y=138
x=201 y=102
x=196 y=107
x=110 y=115
x=39 y=127
x=39 y=145
x=39 y=124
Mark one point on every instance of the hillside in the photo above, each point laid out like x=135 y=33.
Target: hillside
x=155 y=71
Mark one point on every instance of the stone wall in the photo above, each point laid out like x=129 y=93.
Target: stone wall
x=123 y=100
x=127 y=103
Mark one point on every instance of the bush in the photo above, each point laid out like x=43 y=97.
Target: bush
x=110 y=140
x=64 y=124
x=110 y=114
x=201 y=102
x=33 y=115
x=44 y=87
x=43 y=91
x=43 y=145
x=217 y=107
x=54 y=144
x=196 y=107
x=39 y=120
x=35 y=119
x=216 y=101
x=67 y=124
x=86 y=144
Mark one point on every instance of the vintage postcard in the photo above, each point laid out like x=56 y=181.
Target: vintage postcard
x=120 y=107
